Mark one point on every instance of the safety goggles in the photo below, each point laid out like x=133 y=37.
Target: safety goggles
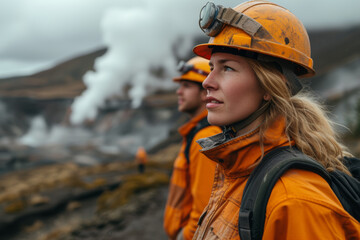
x=184 y=68
x=214 y=17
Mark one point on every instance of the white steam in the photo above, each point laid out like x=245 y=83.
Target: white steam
x=141 y=40
x=40 y=134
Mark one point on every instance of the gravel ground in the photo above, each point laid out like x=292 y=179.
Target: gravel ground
x=141 y=219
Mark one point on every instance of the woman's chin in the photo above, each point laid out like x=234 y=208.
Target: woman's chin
x=215 y=121
x=219 y=119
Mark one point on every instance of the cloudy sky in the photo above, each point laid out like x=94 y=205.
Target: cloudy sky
x=36 y=34
x=140 y=36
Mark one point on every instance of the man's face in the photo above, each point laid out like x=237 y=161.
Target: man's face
x=191 y=97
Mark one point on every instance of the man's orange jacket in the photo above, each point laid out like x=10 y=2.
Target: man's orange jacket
x=190 y=185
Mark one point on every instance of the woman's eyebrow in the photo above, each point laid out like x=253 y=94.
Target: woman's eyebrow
x=220 y=61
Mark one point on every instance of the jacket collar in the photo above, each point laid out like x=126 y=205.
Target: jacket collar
x=186 y=128
x=238 y=155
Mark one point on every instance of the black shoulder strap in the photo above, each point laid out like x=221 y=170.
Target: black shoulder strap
x=201 y=124
x=353 y=165
x=261 y=182
x=347 y=188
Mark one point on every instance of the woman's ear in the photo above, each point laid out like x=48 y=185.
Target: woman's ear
x=267 y=97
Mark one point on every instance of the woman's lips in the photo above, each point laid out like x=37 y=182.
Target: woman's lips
x=212 y=102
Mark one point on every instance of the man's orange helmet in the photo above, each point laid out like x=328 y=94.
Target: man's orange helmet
x=257 y=29
x=196 y=70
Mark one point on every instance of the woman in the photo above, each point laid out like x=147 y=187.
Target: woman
x=257 y=50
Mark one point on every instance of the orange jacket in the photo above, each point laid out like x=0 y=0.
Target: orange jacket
x=190 y=185
x=141 y=156
x=301 y=206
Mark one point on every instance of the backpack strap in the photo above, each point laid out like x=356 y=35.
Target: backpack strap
x=201 y=124
x=353 y=165
x=261 y=182
x=347 y=188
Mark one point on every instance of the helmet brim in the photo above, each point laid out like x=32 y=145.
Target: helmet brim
x=205 y=51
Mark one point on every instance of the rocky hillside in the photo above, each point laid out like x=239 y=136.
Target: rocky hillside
x=332 y=48
x=63 y=81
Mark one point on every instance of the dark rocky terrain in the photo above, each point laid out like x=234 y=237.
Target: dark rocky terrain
x=104 y=201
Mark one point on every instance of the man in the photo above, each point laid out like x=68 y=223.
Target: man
x=193 y=173
x=141 y=159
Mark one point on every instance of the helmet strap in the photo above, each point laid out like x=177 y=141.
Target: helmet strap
x=239 y=20
x=293 y=82
x=287 y=68
x=231 y=130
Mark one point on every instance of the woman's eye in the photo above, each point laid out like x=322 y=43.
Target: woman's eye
x=227 y=68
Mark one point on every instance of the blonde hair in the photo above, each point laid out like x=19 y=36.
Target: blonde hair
x=306 y=120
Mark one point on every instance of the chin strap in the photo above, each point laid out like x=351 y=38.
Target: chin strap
x=293 y=82
x=231 y=130
x=288 y=70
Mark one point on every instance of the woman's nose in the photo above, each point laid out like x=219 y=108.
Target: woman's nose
x=209 y=82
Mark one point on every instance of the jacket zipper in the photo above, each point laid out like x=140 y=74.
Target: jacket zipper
x=218 y=203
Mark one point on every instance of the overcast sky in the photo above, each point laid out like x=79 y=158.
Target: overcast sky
x=36 y=34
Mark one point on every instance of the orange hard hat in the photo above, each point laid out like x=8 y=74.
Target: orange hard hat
x=196 y=70
x=258 y=28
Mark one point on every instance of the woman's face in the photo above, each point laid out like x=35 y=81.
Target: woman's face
x=233 y=91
